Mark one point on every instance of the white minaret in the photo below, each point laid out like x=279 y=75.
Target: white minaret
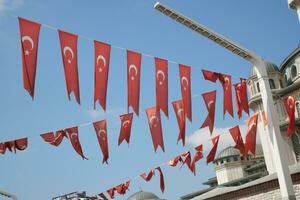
x=295 y=5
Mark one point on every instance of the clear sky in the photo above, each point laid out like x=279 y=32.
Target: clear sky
x=42 y=171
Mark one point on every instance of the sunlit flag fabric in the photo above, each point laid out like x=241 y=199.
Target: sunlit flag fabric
x=210 y=76
x=250 y=143
x=237 y=137
x=225 y=80
x=122 y=188
x=134 y=60
x=210 y=102
x=2 y=148
x=111 y=192
x=161 y=79
x=241 y=97
x=198 y=155
x=179 y=112
x=101 y=195
x=211 y=156
x=173 y=162
x=54 y=138
x=185 y=83
x=125 y=130
x=155 y=126
x=289 y=104
x=148 y=177
x=187 y=160
x=29 y=33
x=101 y=60
x=74 y=139
x=68 y=44
x=101 y=132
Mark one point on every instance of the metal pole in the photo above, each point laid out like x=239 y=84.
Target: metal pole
x=283 y=174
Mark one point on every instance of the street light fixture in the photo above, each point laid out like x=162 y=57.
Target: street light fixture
x=283 y=174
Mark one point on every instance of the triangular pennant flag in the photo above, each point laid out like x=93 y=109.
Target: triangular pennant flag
x=101 y=132
x=241 y=97
x=173 y=162
x=225 y=80
x=250 y=143
x=210 y=102
x=29 y=35
x=148 y=177
x=68 y=44
x=111 y=193
x=237 y=137
x=21 y=144
x=210 y=76
x=102 y=58
x=211 y=156
x=198 y=155
x=126 y=122
x=73 y=136
x=102 y=196
x=134 y=60
x=185 y=83
x=179 y=112
x=161 y=179
x=289 y=104
x=54 y=138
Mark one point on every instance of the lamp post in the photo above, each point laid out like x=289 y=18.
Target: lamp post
x=295 y=5
x=283 y=174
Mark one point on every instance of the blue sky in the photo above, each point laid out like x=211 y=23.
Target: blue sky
x=42 y=171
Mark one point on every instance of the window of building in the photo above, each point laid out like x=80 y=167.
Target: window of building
x=272 y=83
x=235 y=159
x=294 y=71
x=242 y=158
x=257 y=85
x=227 y=160
x=298 y=108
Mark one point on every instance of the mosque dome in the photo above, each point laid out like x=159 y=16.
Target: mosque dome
x=271 y=68
x=143 y=195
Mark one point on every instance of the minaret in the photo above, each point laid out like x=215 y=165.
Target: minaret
x=295 y=5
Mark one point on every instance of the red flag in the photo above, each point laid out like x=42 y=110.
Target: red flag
x=210 y=102
x=161 y=179
x=185 y=83
x=213 y=151
x=101 y=132
x=154 y=121
x=2 y=148
x=126 y=122
x=21 y=144
x=174 y=161
x=251 y=135
x=133 y=79
x=68 y=44
x=9 y=145
x=264 y=119
x=227 y=93
x=178 y=109
x=54 y=138
x=187 y=160
x=101 y=195
x=111 y=193
x=209 y=75
x=241 y=97
x=237 y=137
x=197 y=157
x=161 y=77
x=148 y=177
x=102 y=58
x=73 y=136
x=122 y=188
x=289 y=104
x=29 y=35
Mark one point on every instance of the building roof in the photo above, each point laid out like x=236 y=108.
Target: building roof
x=271 y=67
x=222 y=190
x=289 y=58
x=143 y=195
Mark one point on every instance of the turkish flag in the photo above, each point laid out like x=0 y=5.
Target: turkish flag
x=241 y=97
x=179 y=112
x=101 y=195
x=227 y=93
x=54 y=138
x=198 y=155
x=251 y=135
x=2 y=148
x=9 y=145
x=73 y=136
x=154 y=121
x=126 y=122
x=237 y=137
x=187 y=160
x=210 y=76
x=111 y=193
x=161 y=179
x=101 y=59
x=185 y=83
x=211 y=156
x=161 y=78
x=21 y=144
x=175 y=161
x=122 y=188
x=29 y=35
x=289 y=104
x=148 y=177
x=134 y=60
x=101 y=132
x=210 y=102
x=68 y=44
x=264 y=119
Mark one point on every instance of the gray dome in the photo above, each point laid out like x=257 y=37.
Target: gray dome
x=271 y=67
x=143 y=195
x=231 y=151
